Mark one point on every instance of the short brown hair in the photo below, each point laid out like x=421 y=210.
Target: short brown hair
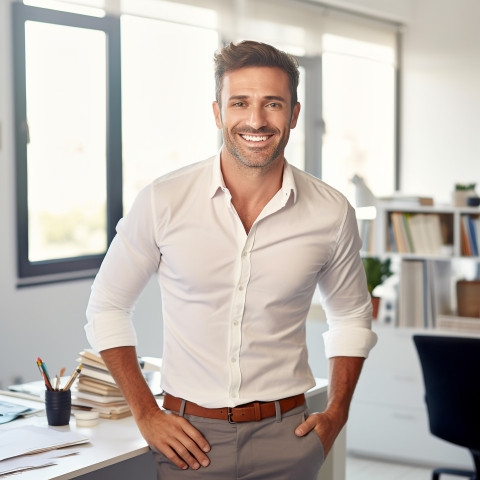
x=254 y=54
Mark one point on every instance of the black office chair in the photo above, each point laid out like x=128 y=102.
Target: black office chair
x=451 y=374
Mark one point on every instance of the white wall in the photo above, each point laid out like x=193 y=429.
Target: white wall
x=441 y=97
x=441 y=107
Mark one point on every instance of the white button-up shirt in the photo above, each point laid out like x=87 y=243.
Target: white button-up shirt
x=235 y=305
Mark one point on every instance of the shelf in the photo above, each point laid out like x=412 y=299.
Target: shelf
x=425 y=243
x=415 y=231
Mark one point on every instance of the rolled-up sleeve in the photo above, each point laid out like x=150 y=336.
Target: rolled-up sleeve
x=345 y=297
x=132 y=258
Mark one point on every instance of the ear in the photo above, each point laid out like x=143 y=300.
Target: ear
x=295 y=113
x=217 y=114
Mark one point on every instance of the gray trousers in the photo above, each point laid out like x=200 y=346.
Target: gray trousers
x=264 y=450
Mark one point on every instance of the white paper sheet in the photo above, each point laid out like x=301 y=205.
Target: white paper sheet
x=28 y=462
x=34 y=439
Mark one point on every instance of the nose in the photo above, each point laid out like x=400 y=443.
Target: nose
x=257 y=117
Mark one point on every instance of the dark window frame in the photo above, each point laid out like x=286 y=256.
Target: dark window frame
x=78 y=267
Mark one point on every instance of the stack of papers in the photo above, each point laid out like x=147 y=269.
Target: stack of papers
x=18 y=444
x=97 y=390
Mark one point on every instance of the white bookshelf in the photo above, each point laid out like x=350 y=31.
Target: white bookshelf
x=443 y=264
x=388 y=418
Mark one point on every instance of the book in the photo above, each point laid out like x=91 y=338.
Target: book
x=473 y=235
x=104 y=411
x=465 y=237
x=408 y=235
x=412 y=294
x=399 y=233
x=98 y=373
x=434 y=233
x=101 y=399
x=91 y=385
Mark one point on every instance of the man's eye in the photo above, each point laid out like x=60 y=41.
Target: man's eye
x=238 y=104
x=274 y=105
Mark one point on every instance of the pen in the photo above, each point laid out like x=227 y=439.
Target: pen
x=72 y=378
x=43 y=371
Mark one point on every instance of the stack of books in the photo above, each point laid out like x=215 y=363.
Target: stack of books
x=416 y=233
x=96 y=389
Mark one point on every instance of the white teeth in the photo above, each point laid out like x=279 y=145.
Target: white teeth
x=251 y=138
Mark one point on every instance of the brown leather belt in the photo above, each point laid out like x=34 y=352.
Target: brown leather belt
x=250 y=412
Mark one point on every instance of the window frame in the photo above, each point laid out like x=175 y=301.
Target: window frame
x=79 y=266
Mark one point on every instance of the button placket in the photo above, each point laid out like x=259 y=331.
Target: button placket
x=238 y=307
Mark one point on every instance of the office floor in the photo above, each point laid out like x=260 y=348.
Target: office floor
x=359 y=468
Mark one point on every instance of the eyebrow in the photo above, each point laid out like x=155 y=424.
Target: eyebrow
x=268 y=97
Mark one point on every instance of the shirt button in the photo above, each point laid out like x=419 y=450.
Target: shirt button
x=233 y=360
x=240 y=287
x=235 y=323
x=244 y=254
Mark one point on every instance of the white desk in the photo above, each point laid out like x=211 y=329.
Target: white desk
x=115 y=441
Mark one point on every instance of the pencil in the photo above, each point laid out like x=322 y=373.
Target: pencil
x=72 y=378
x=43 y=371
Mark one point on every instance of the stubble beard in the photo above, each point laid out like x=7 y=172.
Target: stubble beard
x=255 y=158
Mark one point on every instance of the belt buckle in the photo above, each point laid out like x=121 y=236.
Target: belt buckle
x=230 y=415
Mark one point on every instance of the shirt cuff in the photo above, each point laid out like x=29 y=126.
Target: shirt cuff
x=349 y=342
x=107 y=330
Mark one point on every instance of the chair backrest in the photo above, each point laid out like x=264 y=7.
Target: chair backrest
x=451 y=374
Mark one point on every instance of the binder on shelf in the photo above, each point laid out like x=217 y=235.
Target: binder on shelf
x=412 y=295
x=424 y=292
x=473 y=235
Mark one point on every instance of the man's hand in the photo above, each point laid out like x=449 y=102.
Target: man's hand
x=176 y=438
x=343 y=373
x=170 y=434
x=325 y=427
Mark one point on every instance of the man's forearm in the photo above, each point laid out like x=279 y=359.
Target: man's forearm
x=343 y=374
x=342 y=377
x=123 y=364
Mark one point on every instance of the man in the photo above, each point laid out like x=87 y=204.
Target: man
x=239 y=243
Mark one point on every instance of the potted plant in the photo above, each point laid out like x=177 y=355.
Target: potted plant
x=462 y=192
x=377 y=271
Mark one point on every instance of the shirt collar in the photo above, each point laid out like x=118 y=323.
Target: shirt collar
x=217 y=177
x=288 y=181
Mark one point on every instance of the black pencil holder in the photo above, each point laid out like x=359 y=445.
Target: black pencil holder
x=58 y=406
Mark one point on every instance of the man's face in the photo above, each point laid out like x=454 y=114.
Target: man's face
x=256 y=115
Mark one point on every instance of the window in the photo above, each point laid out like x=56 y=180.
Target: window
x=358 y=87
x=68 y=135
x=167 y=118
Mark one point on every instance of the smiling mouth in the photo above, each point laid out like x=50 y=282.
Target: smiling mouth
x=255 y=138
